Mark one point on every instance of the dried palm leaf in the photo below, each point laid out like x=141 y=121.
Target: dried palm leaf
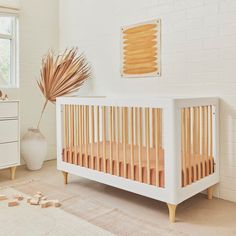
x=62 y=75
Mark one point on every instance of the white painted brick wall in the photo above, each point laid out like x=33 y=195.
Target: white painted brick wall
x=198 y=55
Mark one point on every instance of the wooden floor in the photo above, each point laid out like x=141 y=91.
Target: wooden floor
x=123 y=213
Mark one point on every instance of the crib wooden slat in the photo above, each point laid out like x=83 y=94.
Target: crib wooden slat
x=147 y=131
x=92 y=137
x=124 y=135
x=114 y=123
x=70 y=138
x=206 y=141
x=211 y=142
x=140 y=144
x=157 y=142
x=194 y=129
x=104 y=138
x=70 y=134
x=65 y=132
x=80 y=136
x=136 y=141
x=188 y=144
x=136 y=125
x=189 y=147
x=98 y=139
x=191 y=144
x=195 y=141
x=111 y=139
x=84 y=127
x=118 y=142
x=70 y=131
x=126 y=124
x=76 y=134
x=183 y=142
x=161 y=127
x=83 y=134
x=132 y=141
x=86 y=135
x=199 y=142
x=203 y=142
x=72 y=128
x=70 y=123
x=153 y=128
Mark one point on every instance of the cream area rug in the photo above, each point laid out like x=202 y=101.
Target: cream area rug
x=90 y=208
x=26 y=220
x=101 y=206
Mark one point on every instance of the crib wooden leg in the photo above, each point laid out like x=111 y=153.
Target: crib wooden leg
x=210 y=193
x=172 y=210
x=65 y=174
x=13 y=172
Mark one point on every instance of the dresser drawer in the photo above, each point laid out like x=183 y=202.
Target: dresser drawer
x=8 y=109
x=8 y=131
x=9 y=154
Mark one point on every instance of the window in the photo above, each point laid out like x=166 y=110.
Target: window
x=8 y=50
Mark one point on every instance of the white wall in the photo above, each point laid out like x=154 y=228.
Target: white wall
x=198 y=55
x=38 y=33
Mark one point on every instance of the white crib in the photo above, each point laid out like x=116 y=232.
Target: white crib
x=162 y=148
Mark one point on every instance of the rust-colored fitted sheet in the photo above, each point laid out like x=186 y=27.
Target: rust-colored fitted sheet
x=72 y=155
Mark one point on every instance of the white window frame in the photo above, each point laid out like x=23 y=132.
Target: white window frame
x=14 y=60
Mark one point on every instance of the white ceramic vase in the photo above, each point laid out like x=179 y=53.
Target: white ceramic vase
x=34 y=149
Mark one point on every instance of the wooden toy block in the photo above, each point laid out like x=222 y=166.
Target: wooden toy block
x=56 y=203
x=28 y=199
x=19 y=197
x=50 y=203
x=3 y=197
x=45 y=204
x=13 y=203
x=38 y=196
x=34 y=201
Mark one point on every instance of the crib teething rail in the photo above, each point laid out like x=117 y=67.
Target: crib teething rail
x=163 y=148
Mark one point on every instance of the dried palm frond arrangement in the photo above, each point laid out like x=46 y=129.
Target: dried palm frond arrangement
x=62 y=75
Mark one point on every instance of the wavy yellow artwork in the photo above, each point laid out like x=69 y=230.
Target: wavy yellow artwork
x=141 y=49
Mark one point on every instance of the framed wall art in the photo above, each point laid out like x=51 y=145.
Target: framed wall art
x=140 y=49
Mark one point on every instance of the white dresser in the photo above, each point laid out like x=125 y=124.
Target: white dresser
x=9 y=136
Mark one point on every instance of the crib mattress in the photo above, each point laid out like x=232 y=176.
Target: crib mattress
x=72 y=155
